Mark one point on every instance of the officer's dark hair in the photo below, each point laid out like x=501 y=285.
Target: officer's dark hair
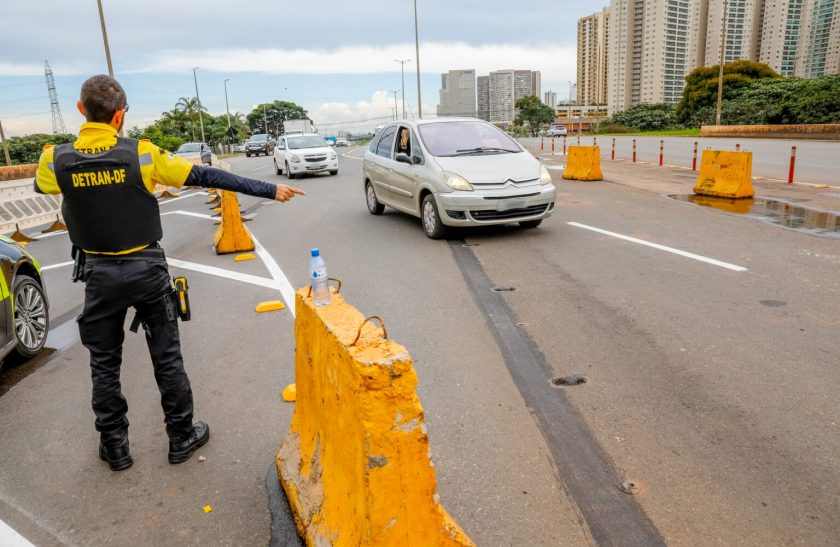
x=101 y=97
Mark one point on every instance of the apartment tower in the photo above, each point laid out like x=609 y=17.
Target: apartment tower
x=483 y=96
x=508 y=86
x=458 y=93
x=819 y=46
x=592 y=65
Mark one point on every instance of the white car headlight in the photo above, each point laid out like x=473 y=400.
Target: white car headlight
x=545 y=176
x=456 y=182
x=333 y=157
x=294 y=159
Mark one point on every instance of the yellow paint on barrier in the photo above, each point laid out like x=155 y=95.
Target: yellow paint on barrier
x=290 y=393
x=725 y=174
x=356 y=464
x=583 y=163
x=271 y=305
x=232 y=236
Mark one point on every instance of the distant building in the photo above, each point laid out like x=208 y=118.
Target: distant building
x=592 y=64
x=743 y=31
x=550 y=98
x=819 y=46
x=507 y=87
x=458 y=93
x=483 y=97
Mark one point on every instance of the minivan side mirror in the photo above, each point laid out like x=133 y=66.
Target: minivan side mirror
x=403 y=158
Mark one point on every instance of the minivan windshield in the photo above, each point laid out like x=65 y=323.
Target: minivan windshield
x=189 y=147
x=466 y=138
x=262 y=137
x=308 y=141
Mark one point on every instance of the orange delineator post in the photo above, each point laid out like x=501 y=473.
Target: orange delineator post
x=612 y=155
x=792 y=163
x=661 y=151
x=552 y=146
x=634 y=150
x=694 y=162
x=542 y=143
x=564 y=145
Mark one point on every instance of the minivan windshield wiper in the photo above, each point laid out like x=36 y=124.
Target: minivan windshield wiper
x=481 y=149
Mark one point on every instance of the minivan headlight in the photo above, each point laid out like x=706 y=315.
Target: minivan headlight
x=545 y=176
x=294 y=159
x=456 y=182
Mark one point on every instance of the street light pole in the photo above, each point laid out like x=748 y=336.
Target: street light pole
x=720 y=69
x=417 y=50
x=395 y=103
x=402 y=63
x=105 y=39
x=227 y=108
x=5 y=146
x=265 y=119
x=198 y=100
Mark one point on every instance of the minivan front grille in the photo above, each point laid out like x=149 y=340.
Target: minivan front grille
x=315 y=158
x=510 y=214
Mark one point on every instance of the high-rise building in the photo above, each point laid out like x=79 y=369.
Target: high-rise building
x=457 y=93
x=483 y=96
x=508 y=86
x=819 y=45
x=743 y=30
x=550 y=99
x=592 y=65
x=780 y=35
x=649 y=51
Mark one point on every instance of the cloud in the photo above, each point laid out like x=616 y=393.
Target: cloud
x=362 y=115
x=556 y=63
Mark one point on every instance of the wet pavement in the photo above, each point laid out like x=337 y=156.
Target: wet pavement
x=787 y=214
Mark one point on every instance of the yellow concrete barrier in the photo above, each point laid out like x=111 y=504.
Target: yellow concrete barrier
x=232 y=235
x=583 y=163
x=356 y=464
x=725 y=174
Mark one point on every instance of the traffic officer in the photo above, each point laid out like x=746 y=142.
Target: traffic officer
x=113 y=217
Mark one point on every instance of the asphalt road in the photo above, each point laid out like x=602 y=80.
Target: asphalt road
x=816 y=161
x=712 y=379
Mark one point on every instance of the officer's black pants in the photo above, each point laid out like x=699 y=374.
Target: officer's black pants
x=112 y=286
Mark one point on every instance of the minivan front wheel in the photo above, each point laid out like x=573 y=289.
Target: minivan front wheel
x=373 y=205
x=432 y=225
x=31 y=317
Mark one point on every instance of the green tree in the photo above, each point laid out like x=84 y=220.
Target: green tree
x=645 y=117
x=274 y=114
x=534 y=113
x=701 y=86
x=27 y=149
x=158 y=136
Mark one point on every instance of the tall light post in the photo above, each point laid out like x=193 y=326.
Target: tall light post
x=402 y=63
x=720 y=69
x=417 y=50
x=105 y=39
x=395 y=91
x=227 y=108
x=569 y=110
x=5 y=146
x=198 y=100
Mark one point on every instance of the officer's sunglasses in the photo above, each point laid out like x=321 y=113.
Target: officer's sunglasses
x=125 y=108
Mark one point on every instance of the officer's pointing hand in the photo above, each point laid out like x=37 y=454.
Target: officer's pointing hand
x=285 y=192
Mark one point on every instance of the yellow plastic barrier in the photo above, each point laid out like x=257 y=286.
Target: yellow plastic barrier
x=232 y=235
x=725 y=174
x=355 y=464
x=583 y=163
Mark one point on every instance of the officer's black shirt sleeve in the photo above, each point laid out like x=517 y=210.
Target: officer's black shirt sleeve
x=208 y=177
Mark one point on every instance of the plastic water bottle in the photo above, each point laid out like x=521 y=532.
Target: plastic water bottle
x=319 y=279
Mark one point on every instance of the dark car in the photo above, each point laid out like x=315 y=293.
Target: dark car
x=24 y=312
x=259 y=144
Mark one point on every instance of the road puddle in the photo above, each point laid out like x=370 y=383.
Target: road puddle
x=773 y=211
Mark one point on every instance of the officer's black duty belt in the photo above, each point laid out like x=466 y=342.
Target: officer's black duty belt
x=142 y=254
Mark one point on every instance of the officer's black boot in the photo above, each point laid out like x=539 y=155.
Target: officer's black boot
x=181 y=447
x=113 y=448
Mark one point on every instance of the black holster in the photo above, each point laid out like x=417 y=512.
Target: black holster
x=79 y=258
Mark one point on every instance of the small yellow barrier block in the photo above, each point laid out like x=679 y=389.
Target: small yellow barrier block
x=725 y=174
x=356 y=464
x=271 y=305
x=246 y=256
x=232 y=236
x=290 y=393
x=583 y=163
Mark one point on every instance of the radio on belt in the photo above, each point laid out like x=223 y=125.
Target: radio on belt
x=182 y=297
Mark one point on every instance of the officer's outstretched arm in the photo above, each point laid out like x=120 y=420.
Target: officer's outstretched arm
x=209 y=177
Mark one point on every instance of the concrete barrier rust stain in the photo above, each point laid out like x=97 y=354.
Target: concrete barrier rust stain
x=356 y=464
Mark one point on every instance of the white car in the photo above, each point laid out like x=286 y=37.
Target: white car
x=298 y=155
x=556 y=131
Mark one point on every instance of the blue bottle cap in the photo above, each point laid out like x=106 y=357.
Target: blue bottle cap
x=316 y=252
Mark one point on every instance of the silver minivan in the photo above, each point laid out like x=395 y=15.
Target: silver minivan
x=455 y=172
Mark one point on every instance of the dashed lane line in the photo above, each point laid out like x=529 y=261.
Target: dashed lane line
x=10 y=538
x=679 y=252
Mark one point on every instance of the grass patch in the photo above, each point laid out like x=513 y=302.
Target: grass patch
x=234 y=155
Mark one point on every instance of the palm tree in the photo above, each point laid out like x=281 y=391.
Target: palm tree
x=189 y=106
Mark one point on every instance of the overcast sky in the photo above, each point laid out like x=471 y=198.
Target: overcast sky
x=333 y=57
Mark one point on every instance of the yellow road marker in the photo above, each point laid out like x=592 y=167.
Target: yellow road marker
x=207 y=508
x=290 y=393
x=246 y=256
x=271 y=305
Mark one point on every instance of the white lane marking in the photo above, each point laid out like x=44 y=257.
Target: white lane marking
x=172 y=200
x=187 y=213
x=10 y=538
x=693 y=256
x=53 y=266
x=349 y=152
x=51 y=234
x=221 y=272
x=283 y=284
